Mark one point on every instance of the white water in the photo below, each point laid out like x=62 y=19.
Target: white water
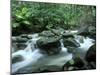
x=87 y=43
x=63 y=49
x=32 y=55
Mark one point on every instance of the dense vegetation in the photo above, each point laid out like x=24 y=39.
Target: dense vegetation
x=65 y=32
x=31 y=17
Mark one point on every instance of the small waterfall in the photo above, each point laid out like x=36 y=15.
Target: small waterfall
x=28 y=59
x=87 y=42
x=30 y=54
x=84 y=46
x=63 y=49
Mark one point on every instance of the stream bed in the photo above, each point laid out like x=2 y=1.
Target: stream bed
x=32 y=60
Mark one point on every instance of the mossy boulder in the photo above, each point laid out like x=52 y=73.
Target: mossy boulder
x=51 y=45
x=71 y=42
x=46 y=34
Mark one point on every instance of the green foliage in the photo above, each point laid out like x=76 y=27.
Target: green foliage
x=37 y=16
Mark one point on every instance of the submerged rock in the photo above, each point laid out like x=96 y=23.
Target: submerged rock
x=17 y=59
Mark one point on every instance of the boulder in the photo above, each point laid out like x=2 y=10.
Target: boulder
x=71 y=42
x=87 y=30
x=92 y=32
x=24 y=36
x=19 y=39
x=19 y=42
x=21 y=46
x=91 y=54
x=71 y=49
x=28 y=36
x=74 y=64
x=17 y=59
x=78 y=62
x=52 y=32
x=92 y=29
x=79 y=38
x=69 y=33
x=46 y=33
x=58 y=32
x=51 y=45
x=52 y=68
x=83 y=30
x=18 y=46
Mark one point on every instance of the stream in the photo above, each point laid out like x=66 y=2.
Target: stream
x=33 y=60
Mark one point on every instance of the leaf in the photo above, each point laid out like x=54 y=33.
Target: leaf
x=24 y=10
x=26 y=22
x=15 y=25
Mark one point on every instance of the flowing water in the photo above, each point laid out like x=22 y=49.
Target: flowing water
x=84 y=46
x=33 y=57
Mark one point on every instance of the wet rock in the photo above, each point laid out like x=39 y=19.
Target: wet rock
x=24 y=36
x=18 y=46
x=92 y=29
x=83 y=30
x=50 y=68
x=13 y=39
x=74 y=64
x=79 y=38
x=91 y=54
x=71 y=49
x=28 y=36
x=14 y=47
x=87 y=30
x=17 y=59
x=18 y=39
x=69 y=33
x=71 y=42
x=21 y=46
x=78 y=62
x=52 y=32
x=58 y=32
x=49 y=44
x=46 y=33
x=43 y=69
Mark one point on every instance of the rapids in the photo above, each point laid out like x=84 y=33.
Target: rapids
x=33 y=57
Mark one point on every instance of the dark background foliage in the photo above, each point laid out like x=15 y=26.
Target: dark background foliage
x=34 y=17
